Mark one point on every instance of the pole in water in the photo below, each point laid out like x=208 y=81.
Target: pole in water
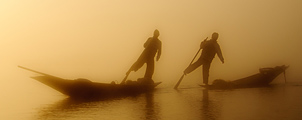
x=125 y=78
x=177 y=84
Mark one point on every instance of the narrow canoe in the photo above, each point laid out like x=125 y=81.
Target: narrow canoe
x=263 y=78
x=83 y=88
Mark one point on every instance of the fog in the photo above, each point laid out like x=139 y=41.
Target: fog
x=100 y=40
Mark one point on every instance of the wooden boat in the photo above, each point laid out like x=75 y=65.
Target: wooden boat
x=85 y=89
x=263 y=78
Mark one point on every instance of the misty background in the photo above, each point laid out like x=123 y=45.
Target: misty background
x=100 y=40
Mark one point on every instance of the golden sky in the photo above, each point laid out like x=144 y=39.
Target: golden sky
x=100 y=39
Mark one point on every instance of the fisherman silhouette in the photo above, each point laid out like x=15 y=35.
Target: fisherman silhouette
x=210 y=49
x=152 y=46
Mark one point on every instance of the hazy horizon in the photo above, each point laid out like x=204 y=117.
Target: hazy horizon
x=100 y=40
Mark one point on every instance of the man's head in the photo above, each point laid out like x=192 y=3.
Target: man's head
x=215 y=36
x=156 y=33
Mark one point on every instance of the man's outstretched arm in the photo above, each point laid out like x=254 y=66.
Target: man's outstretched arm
x=219 y=53
x=158 y=52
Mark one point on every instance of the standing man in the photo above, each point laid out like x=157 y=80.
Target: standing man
x=152 y=46
x=210 y=49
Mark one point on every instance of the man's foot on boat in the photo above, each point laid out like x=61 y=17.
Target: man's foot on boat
x=205 y=84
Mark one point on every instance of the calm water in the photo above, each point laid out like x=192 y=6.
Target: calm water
x=276 y=102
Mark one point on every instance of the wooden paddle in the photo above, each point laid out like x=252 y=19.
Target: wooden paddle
x=177 y=84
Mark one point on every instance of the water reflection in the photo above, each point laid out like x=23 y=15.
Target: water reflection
x=198 y=103
x=66 y=108
x=210 y=109
x=151 y=111
x=134 y=107
x=192 y=104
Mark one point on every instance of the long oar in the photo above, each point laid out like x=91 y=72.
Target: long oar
x=177 y=84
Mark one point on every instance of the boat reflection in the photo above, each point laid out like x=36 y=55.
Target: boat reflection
x=134 y=107
x=151 y=109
